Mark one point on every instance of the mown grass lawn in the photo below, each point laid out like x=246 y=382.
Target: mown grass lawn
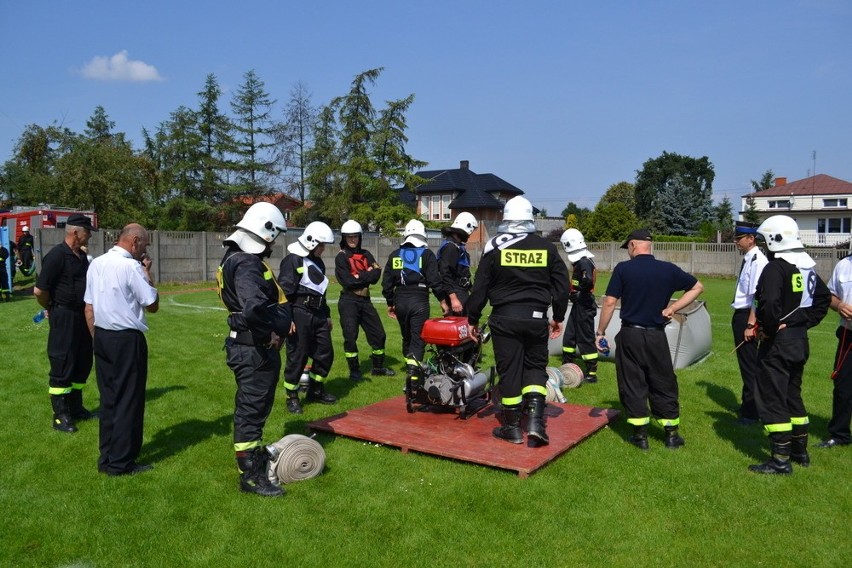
x=604 y=503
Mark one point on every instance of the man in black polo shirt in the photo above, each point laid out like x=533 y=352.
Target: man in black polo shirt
x=59 y=290
x=643 y=363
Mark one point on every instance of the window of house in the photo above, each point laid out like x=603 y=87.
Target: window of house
x=445 y=206
x=436 y=207
x=834 y=225
x=834 y=202
x=779 y=203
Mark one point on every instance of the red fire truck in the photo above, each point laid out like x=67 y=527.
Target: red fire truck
x=39 y=217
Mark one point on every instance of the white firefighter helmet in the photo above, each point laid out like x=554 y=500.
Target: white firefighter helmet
x=260 y=226
x=263 y=220
x=415 y=233
x=518 y=209
x=575 y=245
x=315 y=233
x=25 y=229
x=780 y=233
x=351 y=228
x=466 y=222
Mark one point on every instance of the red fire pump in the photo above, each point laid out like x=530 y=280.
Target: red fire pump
x=451 y=377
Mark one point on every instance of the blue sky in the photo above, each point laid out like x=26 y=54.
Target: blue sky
x=560 y=98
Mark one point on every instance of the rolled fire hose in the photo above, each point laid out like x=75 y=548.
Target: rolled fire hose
x=299 y=458
x=554 y=386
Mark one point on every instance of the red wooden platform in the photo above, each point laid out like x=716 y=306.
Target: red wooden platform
x=445 y=434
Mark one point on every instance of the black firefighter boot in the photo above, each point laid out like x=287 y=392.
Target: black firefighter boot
x=78 y=411
x=511 y=428
x=379 y=369
x=62 y=420
x=252 y=465
x=799 y=446
x=294 y=406
x=591 y=371
x=354 y=369
x=779 y=462
x=639 y=437
x=536 y=420
x=316 y=393
x=673 y=439
x=413 y=378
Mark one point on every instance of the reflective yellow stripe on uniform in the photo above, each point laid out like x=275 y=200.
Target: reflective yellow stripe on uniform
x=668 y=421
x=317 y=378
x=245 y=446
x=513 y=401
x=282 y=298
x=639 y=421
x=378 y=351
x=589 y=356
x=536 y=389
x=773 y=428
x=350 y=355
x=56 y=391
x=523 y=258
x=799 y=421
x=569 y=350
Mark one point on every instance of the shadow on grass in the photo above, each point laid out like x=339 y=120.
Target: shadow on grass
x=153 y=394
x=724 y=397
x=175 y=439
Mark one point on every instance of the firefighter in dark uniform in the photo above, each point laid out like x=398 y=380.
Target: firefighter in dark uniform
x=5 y=274
x=643 y=363
x=743 y=320
x=26 y=247
x=454 y=261
x=259 y=321
x=302 y=277
x=410 y=272
x=521 y=275
x=356 y=270
x=790 y=298
x=59 y=290
x=579 y=336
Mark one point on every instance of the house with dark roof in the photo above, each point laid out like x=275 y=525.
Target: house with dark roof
x=819 y=204
x=285 y=203
x=449 y=192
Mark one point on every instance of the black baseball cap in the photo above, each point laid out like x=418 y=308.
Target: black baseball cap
x=638 y=235
x=80 y=220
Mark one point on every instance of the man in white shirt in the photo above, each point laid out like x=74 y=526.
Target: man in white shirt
x=119 y=290
x=840 y=287
x=743 y=320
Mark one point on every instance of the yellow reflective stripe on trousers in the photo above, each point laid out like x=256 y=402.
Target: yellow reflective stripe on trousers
x=412 y=362
x=317 y=378
x=639 y=421
x=569 y=350
x=290 y=387
x=668 y=421
x=799 y=421
x=56 y=391
x=589 y=356
x=772 y=428
x=534 y=389
x=378 y=351
x=350 y=355
x=513 y=401
x=245 y=446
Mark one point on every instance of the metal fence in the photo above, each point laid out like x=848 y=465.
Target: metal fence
x=180 y=256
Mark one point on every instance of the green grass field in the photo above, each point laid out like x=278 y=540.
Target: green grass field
x=604 y=503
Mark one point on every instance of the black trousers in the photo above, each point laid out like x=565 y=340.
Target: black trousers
x=841 y=406
x=520 y=351
x=121 y=367
x=69 y=347
x=580 y=326
x=412 y=311
x=358 y=312
x=747 y=359
x=643 y=367
x=312 y=340
x=256 y=372
x=779 y=381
